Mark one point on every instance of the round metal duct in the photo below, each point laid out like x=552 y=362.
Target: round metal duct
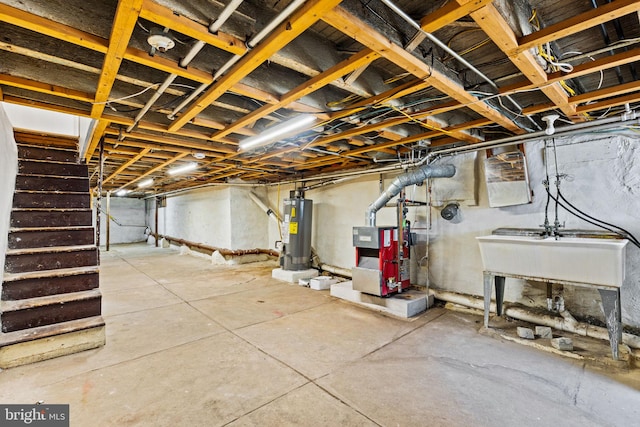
x=450 y=211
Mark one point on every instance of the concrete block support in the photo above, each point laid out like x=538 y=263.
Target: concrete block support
x=405 y=305
x=526 y=333
x=544 y=332
x=293 y=276
x=562 y=343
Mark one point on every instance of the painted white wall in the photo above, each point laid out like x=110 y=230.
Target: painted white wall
x=8 y=171
x=604 y=180
x=128 y=223
x=23 y=117
x=223 y=217
x=248 y=223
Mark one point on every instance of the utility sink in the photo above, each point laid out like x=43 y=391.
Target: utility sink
x=582 y=258
x=587 y=260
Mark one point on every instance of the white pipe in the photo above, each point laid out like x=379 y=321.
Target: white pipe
x=272 y=214
x=340 y=271
x=592 y=126
x=195 y=49
x=565 y=323
x=286 y=12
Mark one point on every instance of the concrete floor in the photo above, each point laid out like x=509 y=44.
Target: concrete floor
x=190 y=343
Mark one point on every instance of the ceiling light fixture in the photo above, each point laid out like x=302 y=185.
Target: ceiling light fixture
x=184 y=168
x=199 y=155
x=279 y=131
x=122 y=192
x=145 y=183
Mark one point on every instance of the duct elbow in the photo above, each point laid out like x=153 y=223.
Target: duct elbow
x=404 y=180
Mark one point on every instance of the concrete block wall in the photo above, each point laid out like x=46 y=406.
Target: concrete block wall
x=8 y=170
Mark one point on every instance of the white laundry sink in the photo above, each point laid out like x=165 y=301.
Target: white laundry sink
x=572 y=259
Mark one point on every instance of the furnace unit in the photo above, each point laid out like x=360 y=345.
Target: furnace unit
x=379 y=269
x=296 y=236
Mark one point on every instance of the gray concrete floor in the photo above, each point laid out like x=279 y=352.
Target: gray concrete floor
x=193 y=344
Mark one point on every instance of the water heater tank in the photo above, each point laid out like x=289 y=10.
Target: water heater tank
x=297 y=233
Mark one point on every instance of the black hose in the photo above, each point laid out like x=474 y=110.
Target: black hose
x=629 y=236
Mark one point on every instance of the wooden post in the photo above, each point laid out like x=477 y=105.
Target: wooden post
x=157 y=208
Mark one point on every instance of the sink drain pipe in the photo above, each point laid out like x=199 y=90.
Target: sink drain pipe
x=565 y=323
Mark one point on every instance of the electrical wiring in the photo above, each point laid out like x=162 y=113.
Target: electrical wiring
x=586 y=56
x=129 y=96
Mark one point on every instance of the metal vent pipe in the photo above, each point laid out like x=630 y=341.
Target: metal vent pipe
x=401 y=181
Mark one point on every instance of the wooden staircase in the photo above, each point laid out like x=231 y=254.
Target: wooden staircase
x=50 y=303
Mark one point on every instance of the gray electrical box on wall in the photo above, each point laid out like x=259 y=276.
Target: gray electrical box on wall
x=296 y=237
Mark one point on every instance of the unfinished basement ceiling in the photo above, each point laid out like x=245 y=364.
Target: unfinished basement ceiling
x=378 y=88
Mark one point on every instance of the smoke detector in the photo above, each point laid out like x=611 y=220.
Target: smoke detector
x=160 y=40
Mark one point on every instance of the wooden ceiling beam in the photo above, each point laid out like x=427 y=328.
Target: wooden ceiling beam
x=357 y=29
x=133 y=160
x=497 y=28
x=122 y=28
x=51 y=28
x=442 y=17
x=41 y=87
x=606 y=92
x=317 y=82
x=610 y=103
x=183 y=143
x=451 y=12
x=302 y=19
x=165 y=17
x=579 y=70
x=581 y=22
x=155 y=169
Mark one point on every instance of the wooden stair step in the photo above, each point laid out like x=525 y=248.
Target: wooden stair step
x=58 y=249
x=47 y=310
x=32 y=334
x=43 y=274
x=53 y=168
x=56 y=228
x=33 y=284
x=50 y=199
x=30 y=152
x=22 y=238
x=52 y=258
x=52 y=183
x=46 y=217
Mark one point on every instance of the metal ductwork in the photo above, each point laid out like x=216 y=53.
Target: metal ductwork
x=409 y=178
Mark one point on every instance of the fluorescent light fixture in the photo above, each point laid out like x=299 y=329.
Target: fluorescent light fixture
x=145 y=183
x=184 y=168
x=279 y=131
x=122 y=192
